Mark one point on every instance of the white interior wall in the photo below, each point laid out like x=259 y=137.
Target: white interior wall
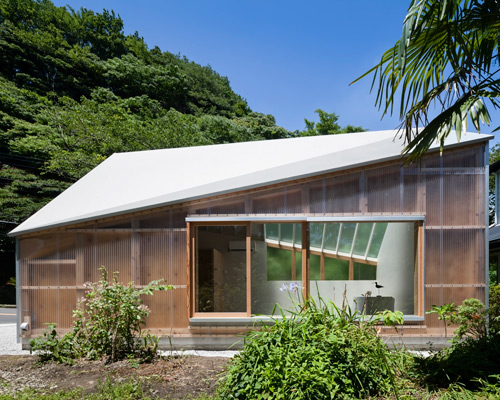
x=395 y=271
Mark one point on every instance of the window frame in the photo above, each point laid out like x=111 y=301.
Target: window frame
x=192 y=222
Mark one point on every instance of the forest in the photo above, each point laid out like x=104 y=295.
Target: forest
x=74 y=89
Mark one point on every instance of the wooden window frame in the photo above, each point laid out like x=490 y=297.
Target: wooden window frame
x=305 y=250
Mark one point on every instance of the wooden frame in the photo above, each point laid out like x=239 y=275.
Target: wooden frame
x=305 y=260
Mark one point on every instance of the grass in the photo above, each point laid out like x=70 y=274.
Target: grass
x=107 y=390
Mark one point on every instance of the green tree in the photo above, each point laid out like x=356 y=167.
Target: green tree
x=327 y=125
x=447 y=57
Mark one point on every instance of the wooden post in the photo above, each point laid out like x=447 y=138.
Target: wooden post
x=189 y=262
x=249 y=269
x=322 y=266
x=420 y=267
x=305 y=259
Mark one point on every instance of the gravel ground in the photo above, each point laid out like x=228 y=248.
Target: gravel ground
x=8 y=344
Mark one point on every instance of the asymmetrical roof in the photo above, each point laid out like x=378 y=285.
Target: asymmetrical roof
x=134 y=181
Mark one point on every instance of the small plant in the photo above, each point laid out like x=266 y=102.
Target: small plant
x=471 y=317
x=444 y=313
x=50 y=346
x=108 y=323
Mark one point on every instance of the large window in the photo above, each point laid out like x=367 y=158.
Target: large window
x=241 y=270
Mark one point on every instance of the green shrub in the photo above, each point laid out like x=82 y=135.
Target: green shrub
x=468 y=363
x=318 y=352
x=108 y=323
x=474 y=355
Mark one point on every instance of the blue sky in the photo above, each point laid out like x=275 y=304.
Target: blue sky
x=286 y=58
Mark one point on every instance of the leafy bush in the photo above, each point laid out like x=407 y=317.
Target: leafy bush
x=469 y=363
x=472 y=360
x=108 y=323
x=318 y=352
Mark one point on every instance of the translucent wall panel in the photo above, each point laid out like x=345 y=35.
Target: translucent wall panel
x=342 y=194
x=222 y=206
x=464 y=190
x=153 y=220
x=47 y=280
x=384 y=189
x=269 y=202
x=115 y=223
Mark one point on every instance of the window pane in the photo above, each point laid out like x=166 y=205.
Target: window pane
x=271 y=231
x=378 y=237
x=336 y=270
x=279 y=264
x=271 y=268
x=316 y=235
x=298 y=234
x=331 y=236
x=346 y=237
x=364 y=272
x=314 y=267
x=362 y=238
x=298 y=266
x=220 y=269
x=286 y=233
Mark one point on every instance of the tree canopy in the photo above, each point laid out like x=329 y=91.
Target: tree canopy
x=74 y=89
x=447 y=58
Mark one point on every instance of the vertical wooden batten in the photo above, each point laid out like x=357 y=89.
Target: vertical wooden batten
x=249 y=268
x=305 y=259
x=420 y=267
x=188 y=271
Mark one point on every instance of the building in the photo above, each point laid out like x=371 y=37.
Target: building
x=229 y=224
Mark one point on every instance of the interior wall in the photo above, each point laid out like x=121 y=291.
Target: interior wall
x=396 y=265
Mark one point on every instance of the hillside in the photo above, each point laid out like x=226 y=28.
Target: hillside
x=75 y=89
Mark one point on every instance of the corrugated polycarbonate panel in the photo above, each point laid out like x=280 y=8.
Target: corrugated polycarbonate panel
x=115 y=223
x=434 y=200
x=384 y=189
x=222 y=206
x=160 y=304
x=411 y=197
x=153 y=220
x=342 y=194
x=469 y=157
x=152 y=253
x=317 y=195
x=463 y=263
x=113 y=250
x=47 y=280
x=463 y=197
x=269 y=202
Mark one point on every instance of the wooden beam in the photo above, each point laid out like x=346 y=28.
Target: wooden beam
x=351 y=269
x=249 y=269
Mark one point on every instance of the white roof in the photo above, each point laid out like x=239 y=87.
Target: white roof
x=140 y=180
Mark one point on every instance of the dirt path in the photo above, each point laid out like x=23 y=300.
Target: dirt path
x=176 y=377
